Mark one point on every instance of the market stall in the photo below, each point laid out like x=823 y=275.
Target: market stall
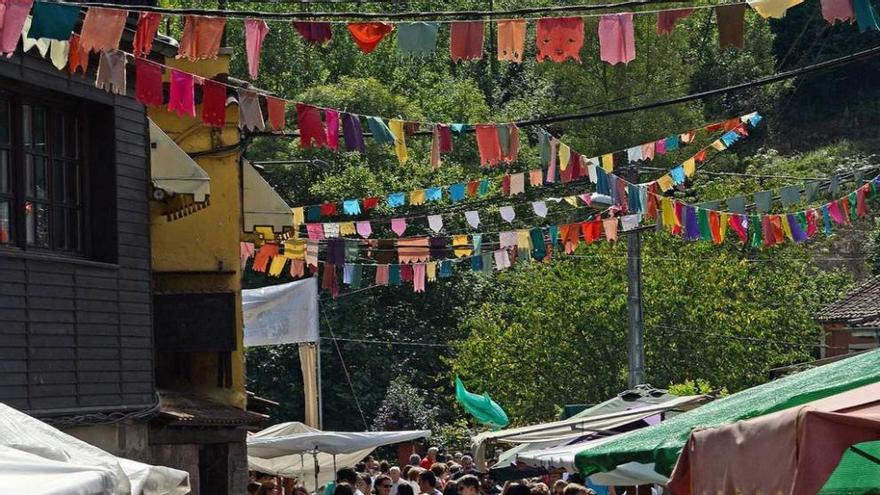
x=296 y=450
x=655 y=450
x=642 y=403
x=37 y=459
x=788 y=452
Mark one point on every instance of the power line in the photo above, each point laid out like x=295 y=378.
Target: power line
x=420 y=15
x=354 y=394
x=761 y=81
x=391 y=342
x=744 y=338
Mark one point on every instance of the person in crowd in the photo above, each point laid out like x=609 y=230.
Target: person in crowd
x=516 y=489
x=441 y=472
x=457 y=457
x=361 y=467
x=347 y=475
x=415 y=460
x=383 y=484
x=429 y=459
x=268 y=488
x=489 y=487
x=384 y=467
x=344 y=488
x=413 y=478
x=454 y=470
x=450 y=488
x=301 y=490
x=365 y=483
x=468 y=485
x=578 y=489
x=559 y=487
x=253 y=487
x=405 y=489
x=467 y=467
x=394 y=473
x=428 y=483
x=540 y=489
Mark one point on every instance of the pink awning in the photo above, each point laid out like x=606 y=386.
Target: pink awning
x=789 y=452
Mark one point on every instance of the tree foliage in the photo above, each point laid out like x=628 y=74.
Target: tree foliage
x=545 y=334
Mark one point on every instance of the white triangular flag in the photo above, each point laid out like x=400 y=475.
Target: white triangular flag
x=507 y=213
x=473 y=218
x=540 y=208
x=435 y=222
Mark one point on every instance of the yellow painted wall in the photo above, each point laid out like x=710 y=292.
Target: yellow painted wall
x=206 y=241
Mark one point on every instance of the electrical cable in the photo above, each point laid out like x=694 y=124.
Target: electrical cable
x=761 y=81
x=357 y=401
x=743 y=338
x=391 y=16
x=391 y=342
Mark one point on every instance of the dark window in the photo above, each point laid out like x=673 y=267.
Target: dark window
x=41 y=177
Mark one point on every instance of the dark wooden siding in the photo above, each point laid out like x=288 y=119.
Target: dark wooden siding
x=75 y=334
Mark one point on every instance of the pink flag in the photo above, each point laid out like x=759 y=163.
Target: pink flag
x=255 y=33
x=398 y=225
x=332 y=122
x=181 y=99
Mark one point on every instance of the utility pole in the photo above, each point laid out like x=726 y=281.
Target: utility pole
x=636 y=324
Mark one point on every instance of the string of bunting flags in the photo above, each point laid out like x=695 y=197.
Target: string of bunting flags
x=556 y=38
x=509 y=184
x=554 y=153
x=417 y=259
x=52 y=26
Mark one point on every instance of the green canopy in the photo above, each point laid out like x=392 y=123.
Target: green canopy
x=858 y=471
x=661 y=444
x=481 y=407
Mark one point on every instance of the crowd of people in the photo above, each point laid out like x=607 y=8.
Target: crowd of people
x=434 y=474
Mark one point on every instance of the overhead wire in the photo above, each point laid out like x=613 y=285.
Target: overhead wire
x=761 y=81
x=354 y=394
x=439 y=16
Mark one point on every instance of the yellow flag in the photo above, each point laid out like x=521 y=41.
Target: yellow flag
x=572 y=200
x=299 y=216
x=431 y=270
x=417 y=197
x=347 y=228
x=396 y=127
x=277 y=265
x=786 y=226
x=461 y=246
x=564 y=156
x=665 y=182
x=690 y=167
x=608 y=162
x=295 y=249
x=668 y=214
x=722 y=228
x=719 y=145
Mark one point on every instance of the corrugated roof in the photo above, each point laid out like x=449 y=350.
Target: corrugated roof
x=859 y=305
x=185 y=409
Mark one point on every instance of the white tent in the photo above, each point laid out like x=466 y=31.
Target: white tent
x=557 y=433
x=38 y=459
x=294 y=449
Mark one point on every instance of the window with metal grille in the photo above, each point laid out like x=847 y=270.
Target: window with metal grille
x=40 y=176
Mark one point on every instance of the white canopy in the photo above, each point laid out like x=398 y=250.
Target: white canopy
x=263 y=206
x=328 y=442
x=42 y=460
x=301 y=464
x=560 y=432
x=172 y=170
